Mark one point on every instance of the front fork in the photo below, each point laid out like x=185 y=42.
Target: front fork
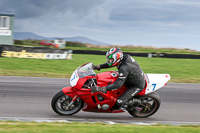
x=70 y=92
x=72 y=102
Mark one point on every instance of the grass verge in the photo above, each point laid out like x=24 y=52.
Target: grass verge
x=181 y=70
x=33 y=127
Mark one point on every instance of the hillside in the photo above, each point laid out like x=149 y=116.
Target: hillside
x=33 y=36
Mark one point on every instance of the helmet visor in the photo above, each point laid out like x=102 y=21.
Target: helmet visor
x=110 y=61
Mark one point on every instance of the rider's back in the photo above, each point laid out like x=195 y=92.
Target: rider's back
x=135 y=74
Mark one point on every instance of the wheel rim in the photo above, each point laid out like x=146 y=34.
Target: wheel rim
x=63 y=102
x=147 y=107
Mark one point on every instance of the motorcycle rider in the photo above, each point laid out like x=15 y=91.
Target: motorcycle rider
x=130 y=74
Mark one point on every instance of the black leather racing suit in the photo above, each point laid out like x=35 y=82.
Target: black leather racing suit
x=131 y=74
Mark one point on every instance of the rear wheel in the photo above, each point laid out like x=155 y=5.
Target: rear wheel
x=60 y=104
x=150 y=104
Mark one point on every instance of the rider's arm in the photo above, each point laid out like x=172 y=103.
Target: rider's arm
x=123 y=73
x=102 y=66
x=105 y=65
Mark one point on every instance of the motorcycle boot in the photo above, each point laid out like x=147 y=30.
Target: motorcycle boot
x=130 y=105
x=134 y=101
x=127 y=97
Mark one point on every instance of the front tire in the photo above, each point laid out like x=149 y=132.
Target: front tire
x=60 y=101
x=150 y=105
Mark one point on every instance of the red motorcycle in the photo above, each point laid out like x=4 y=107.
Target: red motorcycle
x=79 y=96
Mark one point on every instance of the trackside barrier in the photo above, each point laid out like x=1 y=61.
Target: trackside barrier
x=34 y=52
x=184 y=56
x=150 y=55
x=95 y=52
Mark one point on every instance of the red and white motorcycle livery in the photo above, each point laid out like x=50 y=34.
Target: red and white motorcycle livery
x=78 y=96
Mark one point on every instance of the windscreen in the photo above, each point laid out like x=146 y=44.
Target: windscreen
x=86 y=70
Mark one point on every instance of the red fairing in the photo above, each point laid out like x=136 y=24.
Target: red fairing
x=106 y=78
x=82 y=81
x=69 y=91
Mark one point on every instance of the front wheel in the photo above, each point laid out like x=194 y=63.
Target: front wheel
x=60 y=104
x=150 y=104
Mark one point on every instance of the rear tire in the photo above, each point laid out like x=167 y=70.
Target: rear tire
x=150 y=105
x=60 y=101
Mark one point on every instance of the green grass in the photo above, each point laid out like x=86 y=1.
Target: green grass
x=181 y=70
x=33 y=127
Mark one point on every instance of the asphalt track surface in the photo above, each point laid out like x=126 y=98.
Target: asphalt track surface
x=26 y=97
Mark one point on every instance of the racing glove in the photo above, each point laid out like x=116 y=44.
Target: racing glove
x=97 y=67
x=98 y=89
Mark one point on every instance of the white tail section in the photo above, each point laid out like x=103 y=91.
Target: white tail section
x=156 y=81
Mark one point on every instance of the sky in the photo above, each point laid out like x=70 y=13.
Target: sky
x=157 y=23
